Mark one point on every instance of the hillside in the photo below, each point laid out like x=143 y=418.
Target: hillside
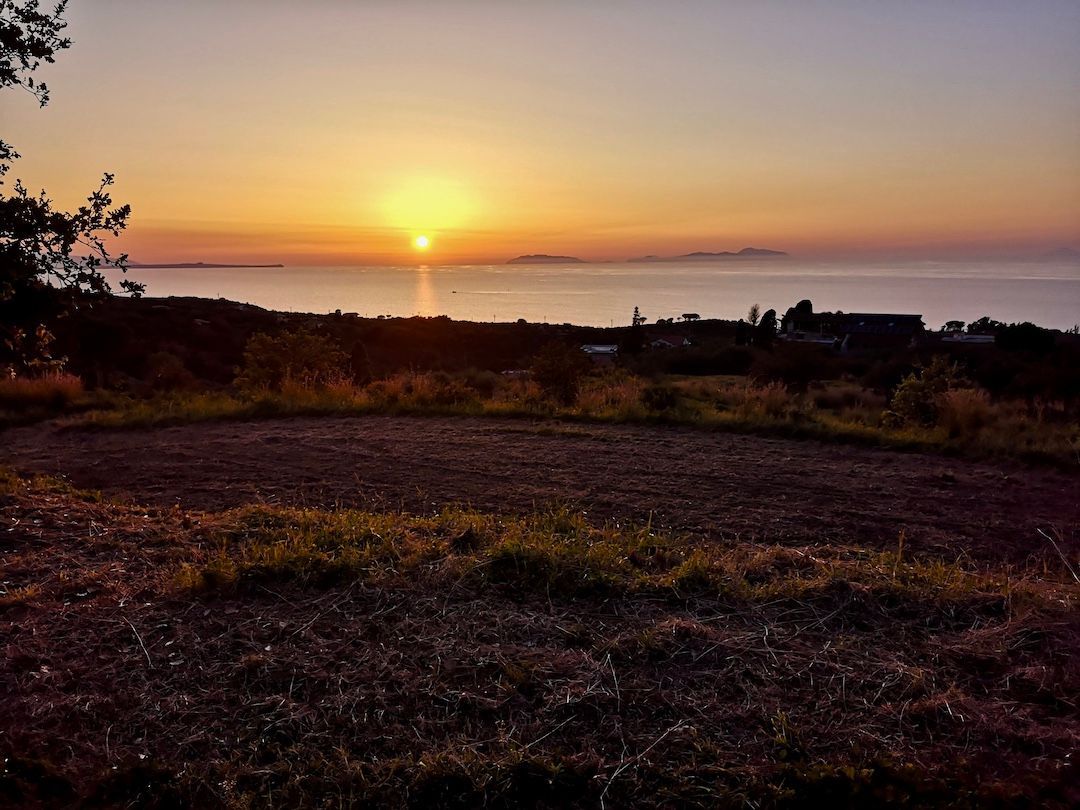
x=697 y=256
x=543 y=258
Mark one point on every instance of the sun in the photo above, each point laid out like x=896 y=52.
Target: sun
x=421 y=242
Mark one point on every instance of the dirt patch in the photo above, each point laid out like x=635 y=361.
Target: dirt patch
x=716 y=484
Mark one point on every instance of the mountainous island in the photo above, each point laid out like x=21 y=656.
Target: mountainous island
x=703 y=256
x=543 y=258
x=197 y=265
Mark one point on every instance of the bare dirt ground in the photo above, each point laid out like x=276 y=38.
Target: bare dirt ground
x=752 y=488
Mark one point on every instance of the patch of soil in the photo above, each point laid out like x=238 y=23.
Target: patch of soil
x=715 y=484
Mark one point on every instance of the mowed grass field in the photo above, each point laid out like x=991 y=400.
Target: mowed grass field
x=333 y=657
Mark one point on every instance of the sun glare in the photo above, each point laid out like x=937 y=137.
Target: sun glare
x=421 y=242
x=428 y=204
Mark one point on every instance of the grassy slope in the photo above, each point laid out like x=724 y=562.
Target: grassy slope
x=304 y=657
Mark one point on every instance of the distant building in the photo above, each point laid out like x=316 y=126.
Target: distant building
x=851 y=331
x=810 y=337
x=668 y=341
x=866 y=331
x=969 y=340
x=601 y=353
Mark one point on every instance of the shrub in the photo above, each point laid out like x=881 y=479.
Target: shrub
x=484 y=383
x=660 y=397
x=559 y=369
x=795 y=366
x=298 y=356
x=167 y=372
x=916 y=399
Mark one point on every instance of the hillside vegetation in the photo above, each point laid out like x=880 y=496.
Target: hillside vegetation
x=139 y=363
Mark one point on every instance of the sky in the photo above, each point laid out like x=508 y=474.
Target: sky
x=334 y=132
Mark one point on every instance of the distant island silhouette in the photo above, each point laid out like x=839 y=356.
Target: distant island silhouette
x=543 y=258
x=702 y=256
x=201 y=265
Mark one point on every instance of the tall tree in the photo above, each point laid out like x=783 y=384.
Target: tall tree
x=50 y=261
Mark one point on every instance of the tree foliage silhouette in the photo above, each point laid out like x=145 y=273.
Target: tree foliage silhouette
x=559 y=370
x=50 y=261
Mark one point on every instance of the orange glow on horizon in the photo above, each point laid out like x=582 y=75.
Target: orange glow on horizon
x=343 y=132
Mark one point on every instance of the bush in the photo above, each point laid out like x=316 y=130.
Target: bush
x=660 y=397
x=916 y=399
x=300 y=356
x=559 y=369
x=167 y=372
x=795 y=366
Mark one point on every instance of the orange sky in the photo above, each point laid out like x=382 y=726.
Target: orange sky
x=336 y=133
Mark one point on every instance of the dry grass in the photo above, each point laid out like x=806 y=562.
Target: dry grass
x=968 y=423
x=306 y=658
x=31 y=399
x=53 y=390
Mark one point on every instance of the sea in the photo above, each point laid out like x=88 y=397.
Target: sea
x=605 y=294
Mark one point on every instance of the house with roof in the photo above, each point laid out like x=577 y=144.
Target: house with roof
x=668 y=341
x=851 y=331
x=863 y=331
x=603 y=354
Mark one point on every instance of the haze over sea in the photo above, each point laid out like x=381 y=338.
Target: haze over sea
x=603 y=294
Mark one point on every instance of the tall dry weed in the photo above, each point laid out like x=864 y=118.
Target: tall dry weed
x=770 y=401
x=54 y=390
x=964 y=412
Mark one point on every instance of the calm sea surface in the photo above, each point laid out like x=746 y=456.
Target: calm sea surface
x=604 y=294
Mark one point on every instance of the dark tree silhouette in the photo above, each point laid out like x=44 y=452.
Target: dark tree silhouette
x=28 y=37
x=985 y=326
x=559 y=369
x=50 y=261
x=743 y=333
x=634 y=342
x=298 y=356
x=1025 y=337
x=765 y=331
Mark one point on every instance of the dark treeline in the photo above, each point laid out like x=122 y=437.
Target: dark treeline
x=148 y=345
